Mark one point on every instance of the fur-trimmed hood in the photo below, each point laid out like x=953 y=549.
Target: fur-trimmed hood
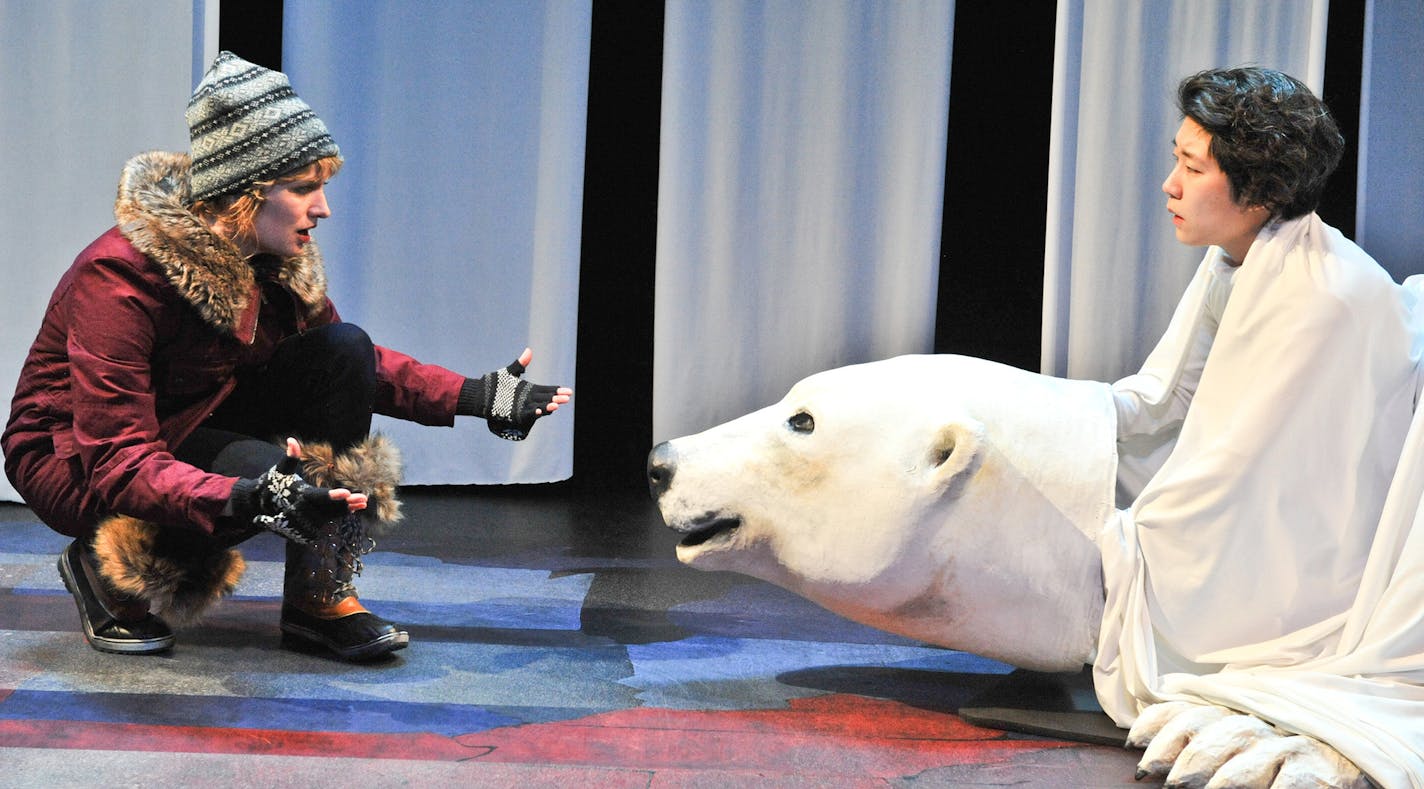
x=152 y=210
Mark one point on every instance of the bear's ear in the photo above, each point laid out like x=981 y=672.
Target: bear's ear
x=956 y=450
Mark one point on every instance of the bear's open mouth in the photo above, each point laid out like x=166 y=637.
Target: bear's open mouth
x=710 y=529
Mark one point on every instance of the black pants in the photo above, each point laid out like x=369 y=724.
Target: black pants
x=319 y=386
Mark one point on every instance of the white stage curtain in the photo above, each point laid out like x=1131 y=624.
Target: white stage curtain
x=1388 y=221
x=456 y=220
x=1113 y=267
x=801 y=186
x=86 y=85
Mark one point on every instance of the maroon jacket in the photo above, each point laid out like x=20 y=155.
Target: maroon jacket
x=140 y=343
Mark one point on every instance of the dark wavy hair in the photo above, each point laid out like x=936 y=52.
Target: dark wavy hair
x=1275 y=141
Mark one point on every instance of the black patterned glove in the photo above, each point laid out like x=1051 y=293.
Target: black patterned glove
x=509 y=404
x=282 y=502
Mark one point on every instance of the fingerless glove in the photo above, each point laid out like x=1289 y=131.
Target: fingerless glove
x=509 y=404
x=282 y=502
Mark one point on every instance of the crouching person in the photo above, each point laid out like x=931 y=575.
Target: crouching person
x=186 y=339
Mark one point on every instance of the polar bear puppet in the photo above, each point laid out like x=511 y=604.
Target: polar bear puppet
x=964 y=515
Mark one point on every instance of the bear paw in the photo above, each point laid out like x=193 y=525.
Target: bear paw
x=1201 y=745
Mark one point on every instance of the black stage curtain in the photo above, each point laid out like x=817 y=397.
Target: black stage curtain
x=614 y=429
x=1344 y=69
x=996 y=182
x=252 y=29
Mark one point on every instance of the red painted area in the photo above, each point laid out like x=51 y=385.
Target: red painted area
x=836 y=735
x=831 y=735
x=197 y=739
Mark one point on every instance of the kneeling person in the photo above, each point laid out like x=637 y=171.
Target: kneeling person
x=185 y=338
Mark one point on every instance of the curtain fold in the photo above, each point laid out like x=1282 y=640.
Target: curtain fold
x=457 y=217
x=801 y=178
x=1388 y=222
x=801 y=186
x=87 y=85
x=1114 y=269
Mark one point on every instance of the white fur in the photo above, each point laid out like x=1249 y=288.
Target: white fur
x=955 y=501
x=915 y=505
x=1195 y=745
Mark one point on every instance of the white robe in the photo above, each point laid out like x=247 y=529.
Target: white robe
x=1272 y=560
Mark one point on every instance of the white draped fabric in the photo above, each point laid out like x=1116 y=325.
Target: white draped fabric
x=86 y=85
x=1113 y=266
x=799 y=199
x=457 y=218
x=1296 y=481
x=1272 y=563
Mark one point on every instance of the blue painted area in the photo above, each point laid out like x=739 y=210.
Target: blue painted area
x=734 y=673
x=519 y=636
x=57 y=591
x=955 y=661
x=452 y=689
x=705 y=658
x=759 y=610
x=290 y=714
x=528 y=613
x=31 y=538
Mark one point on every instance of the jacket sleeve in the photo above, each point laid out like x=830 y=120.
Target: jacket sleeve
x=409 y=389
x=405 y=387
x=112 y=309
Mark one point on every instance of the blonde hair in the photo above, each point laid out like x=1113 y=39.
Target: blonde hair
x=237 y=213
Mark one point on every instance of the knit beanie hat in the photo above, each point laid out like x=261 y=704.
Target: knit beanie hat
x=247 y=125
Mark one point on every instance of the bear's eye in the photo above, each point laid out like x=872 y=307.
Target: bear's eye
x=801 y=422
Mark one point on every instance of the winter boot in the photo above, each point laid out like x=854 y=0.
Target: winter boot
x=134 y=568
x=112 y=622
x=319 y=603
x=181 y=572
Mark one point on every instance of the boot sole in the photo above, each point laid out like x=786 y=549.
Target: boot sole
x=371 y=649
x=146 y=646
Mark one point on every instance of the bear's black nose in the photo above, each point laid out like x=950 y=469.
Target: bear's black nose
x=661 y=465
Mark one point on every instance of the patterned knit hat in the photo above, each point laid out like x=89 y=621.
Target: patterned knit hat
x=247 y=125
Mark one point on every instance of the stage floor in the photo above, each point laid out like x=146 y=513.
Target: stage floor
x=555 y=640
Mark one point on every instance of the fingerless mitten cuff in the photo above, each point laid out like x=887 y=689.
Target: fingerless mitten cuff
x=472 y=398
x=240 y=501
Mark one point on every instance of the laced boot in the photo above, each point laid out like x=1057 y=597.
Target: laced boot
x=319 y=603
x=112 y=622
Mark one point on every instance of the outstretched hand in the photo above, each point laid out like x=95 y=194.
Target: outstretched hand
x=512 y=404
x=562 y=394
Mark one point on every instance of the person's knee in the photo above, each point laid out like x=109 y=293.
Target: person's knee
x=348 y=339
x=349 y=351
x=247 y=458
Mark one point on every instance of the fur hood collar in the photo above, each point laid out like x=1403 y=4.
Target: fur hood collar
x=207 y=270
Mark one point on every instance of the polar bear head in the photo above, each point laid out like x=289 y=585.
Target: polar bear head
x=941 y=497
